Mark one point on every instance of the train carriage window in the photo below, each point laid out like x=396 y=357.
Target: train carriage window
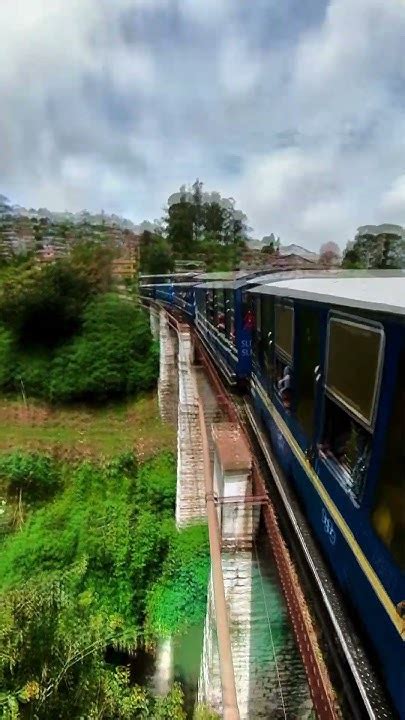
x=353 y=367
x=283 y=339
x=267 y=335
x=209 y=297
x=215 y=307
x=351 y=385
x=200 y=301
x=308 y=353
x=284 y=330
x=220 y=310
x=229 y=315
x=346 y=447
x=388 y=516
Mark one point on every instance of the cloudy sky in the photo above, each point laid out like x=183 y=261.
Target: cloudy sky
x=296 y=109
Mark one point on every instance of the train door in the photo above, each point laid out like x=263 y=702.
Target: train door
x=264 y=340
x=283 y=355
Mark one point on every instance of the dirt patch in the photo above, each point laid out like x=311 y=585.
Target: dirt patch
x=85 y=432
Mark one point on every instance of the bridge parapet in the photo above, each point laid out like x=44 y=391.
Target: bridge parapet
x=190 y=496
x=154 y=322
x=167 y=387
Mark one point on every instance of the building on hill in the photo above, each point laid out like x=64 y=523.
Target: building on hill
x=299 y=251
x=50 y=239
x=124 y=268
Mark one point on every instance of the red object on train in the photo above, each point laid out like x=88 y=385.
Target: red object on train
x=249 y=321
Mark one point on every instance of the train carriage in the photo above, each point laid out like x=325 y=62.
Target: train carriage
x=224 y=320
x=328 y=380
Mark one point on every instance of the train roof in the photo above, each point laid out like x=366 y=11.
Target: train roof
x=277 y=275
x=383 y=293
x=229 y=280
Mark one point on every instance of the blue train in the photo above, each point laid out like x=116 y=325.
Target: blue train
x=325 y=361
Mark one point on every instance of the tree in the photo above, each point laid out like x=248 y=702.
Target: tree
x=180 y=226
x=329 y=254
x=156 y=255
x=198 y=211
x=44 y=306
x=382 y=247
x=198 y=221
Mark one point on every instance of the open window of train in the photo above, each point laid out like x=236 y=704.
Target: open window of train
x=219 y=319
x=283 y=346
x=306 y=359
x=209 y=299
x=388 y=516
x=215 y=308
x=200 y=301
x=352 y=379
x=229 y=315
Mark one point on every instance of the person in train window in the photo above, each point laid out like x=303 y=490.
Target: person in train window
x=249 y=320
x=284 y=387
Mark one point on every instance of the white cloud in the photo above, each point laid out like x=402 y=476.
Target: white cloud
x=115 y=104
x=393 y=201
x=239 y=69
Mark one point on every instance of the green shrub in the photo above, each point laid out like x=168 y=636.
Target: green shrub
x=114 y=356
x=33 y=370
x=74 y=581
x=7 y=359
x=33 y=475
x=178 y=599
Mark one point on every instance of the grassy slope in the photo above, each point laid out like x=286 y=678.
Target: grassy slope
x=83 y=430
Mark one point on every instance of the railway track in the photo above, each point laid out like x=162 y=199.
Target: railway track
x=357 y=687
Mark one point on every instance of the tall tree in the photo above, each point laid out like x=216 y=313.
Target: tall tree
x=198 y=211
x=329 y=254
x=376 y=251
